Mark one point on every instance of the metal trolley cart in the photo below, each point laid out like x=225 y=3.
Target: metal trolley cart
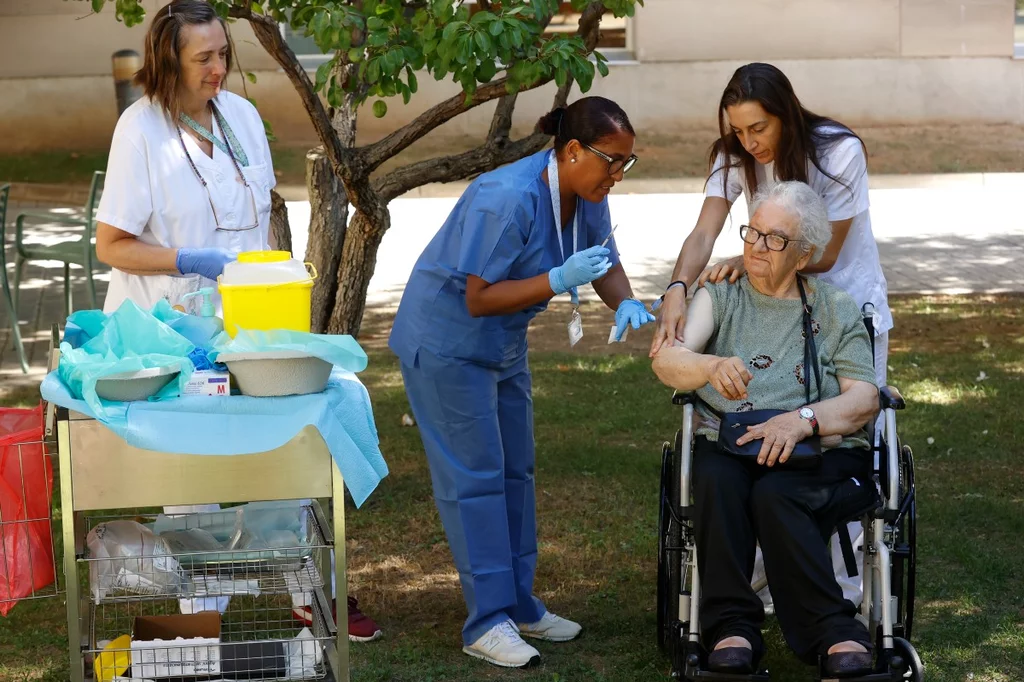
x=258 y=637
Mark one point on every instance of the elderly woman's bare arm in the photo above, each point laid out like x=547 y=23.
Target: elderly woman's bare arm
x=855 y=406
x=685 y=368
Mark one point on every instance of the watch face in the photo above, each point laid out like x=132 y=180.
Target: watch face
x=806 y=413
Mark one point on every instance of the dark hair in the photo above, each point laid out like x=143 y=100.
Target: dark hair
x=160 y=74
x=586 y=120
x=805 y=135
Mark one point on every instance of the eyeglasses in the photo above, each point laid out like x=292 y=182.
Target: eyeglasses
x=615 y=166
x=774 y=242
x=209 y=197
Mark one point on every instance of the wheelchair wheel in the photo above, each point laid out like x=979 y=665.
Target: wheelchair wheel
x=669 y=547
x=913 y=669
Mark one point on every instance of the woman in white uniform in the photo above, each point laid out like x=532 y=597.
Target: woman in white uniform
x=189 y=175
x=767 y=136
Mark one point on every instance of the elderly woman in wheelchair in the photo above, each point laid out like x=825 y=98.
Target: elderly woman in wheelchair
x=782 y=367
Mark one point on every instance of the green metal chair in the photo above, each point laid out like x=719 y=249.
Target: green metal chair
x=79 y=251
x=12 y=313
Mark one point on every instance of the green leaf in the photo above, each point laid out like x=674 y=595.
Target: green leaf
x=413 y=83
x=380 y=108
x=97 y=5
x=251 y=77
x=373 y=70
x=483 y=42
x=486 y=71
x=602 y=67
x=496 y=28
x=375 y=23
x=355 y=55
x=322 y=73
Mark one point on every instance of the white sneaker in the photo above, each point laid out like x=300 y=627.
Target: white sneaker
x=551 y=628
x=502 y=645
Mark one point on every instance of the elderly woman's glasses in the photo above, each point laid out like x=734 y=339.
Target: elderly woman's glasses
x=774 y=242
x=615 y=166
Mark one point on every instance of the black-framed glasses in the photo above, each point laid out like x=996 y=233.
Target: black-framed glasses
x=615 y=166
x=773 y=242
x=209 y=197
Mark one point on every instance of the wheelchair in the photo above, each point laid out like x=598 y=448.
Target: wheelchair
x=889 y=569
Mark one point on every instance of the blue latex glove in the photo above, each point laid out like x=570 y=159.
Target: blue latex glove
x=580 y=268
x=630 y=312
x=207 y=262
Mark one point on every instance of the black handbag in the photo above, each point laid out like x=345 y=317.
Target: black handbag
x=807 y=453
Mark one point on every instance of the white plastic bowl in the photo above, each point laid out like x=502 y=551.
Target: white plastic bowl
x=277 y=373
x=140 y=385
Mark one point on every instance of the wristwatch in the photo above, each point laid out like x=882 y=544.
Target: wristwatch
x=808 y=414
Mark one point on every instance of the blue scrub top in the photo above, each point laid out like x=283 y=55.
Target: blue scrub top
x=501 y=229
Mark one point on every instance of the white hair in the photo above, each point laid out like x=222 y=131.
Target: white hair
x=806 y=207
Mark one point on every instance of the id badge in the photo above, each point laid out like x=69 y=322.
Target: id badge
x=575 y=327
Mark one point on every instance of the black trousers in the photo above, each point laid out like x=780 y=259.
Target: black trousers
x=791 y=514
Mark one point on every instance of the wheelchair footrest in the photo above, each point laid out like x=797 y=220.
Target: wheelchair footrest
x=707 y=675
x=870 y=677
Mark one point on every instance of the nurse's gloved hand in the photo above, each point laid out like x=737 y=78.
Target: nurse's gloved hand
x=207 y=262
x=580 y=268
x=631 y=312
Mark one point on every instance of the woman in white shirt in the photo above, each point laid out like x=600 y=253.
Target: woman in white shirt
x=189 y=175
x=767 y=136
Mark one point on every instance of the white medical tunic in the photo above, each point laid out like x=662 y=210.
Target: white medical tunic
x=857 y=270
x=151 y=192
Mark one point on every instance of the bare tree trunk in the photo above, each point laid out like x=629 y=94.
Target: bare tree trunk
x=328 y=213
x=280 y=229
x=328 y=205
x=358 y=260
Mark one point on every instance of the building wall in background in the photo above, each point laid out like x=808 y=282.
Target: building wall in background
x=891 y=61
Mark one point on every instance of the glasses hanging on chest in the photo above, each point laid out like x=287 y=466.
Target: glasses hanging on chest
x=202 y=180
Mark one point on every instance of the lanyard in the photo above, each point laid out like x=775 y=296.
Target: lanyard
x=556 y=207
x=235 y=149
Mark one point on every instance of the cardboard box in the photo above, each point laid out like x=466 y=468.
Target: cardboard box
x=176 y=646
x=208 y=382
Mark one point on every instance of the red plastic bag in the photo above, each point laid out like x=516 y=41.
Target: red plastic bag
x=26 y=488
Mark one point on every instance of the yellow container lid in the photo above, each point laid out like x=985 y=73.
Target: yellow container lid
x=264 y=256
x=114 y=659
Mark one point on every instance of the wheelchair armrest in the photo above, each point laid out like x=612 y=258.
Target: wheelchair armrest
x=684 y=398
x=890 y=399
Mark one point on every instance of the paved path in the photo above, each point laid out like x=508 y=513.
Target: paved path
x=963 y=234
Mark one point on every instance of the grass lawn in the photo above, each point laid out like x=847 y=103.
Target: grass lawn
x=601 y=417
x=663 y=154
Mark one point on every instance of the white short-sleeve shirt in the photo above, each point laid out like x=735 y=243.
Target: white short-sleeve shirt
x=857 y=270
x=152 y=192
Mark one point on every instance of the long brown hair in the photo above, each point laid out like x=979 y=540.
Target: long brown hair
x=160 y=75
x=805 y=134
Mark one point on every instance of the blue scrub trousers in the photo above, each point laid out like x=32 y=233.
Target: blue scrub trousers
x=477 y=428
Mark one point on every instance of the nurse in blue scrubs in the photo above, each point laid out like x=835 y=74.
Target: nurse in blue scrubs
x=519 y=236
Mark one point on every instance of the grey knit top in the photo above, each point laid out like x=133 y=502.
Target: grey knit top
x=767 y=334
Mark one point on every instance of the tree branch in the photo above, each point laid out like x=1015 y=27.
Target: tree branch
x=344 y=161
x=457 y=166
x=375 y=154
x=501 y=123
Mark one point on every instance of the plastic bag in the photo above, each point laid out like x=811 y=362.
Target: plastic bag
x=26 y=488
x=340 y=350
x=129 y=340
x=131 y=558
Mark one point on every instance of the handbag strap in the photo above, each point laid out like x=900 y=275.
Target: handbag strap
x=810 y=347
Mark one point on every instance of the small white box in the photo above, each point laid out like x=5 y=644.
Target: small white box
x=176 y=646
x=208 y=382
